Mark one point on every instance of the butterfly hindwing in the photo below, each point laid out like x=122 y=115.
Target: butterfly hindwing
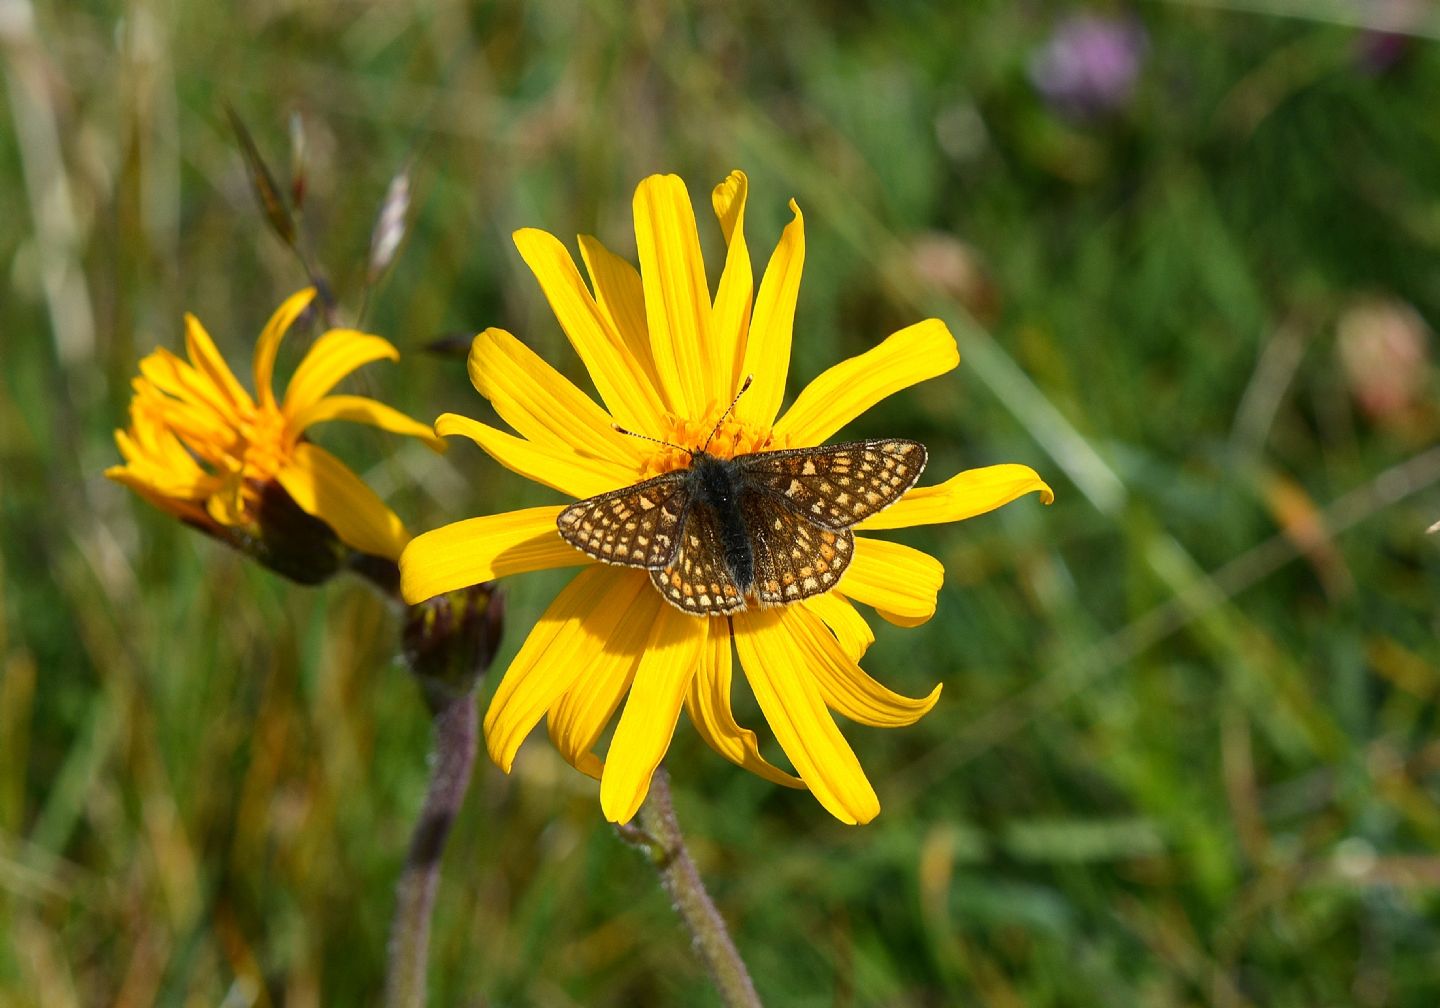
x=794 y=557
x=698 y=580
x=770 y=528
x=635 y=526
x=839 y=485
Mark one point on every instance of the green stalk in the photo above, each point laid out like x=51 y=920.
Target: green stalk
x=453 y=758
x=658 y=834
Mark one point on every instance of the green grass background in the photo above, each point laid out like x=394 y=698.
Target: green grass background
x=1184 y=756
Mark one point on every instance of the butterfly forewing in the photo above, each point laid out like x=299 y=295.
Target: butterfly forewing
x=792 y=510
x=636 y=526
x=838 y=485
x=698 y=580
x=794 y=557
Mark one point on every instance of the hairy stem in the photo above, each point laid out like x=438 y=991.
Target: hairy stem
x=658 y=833
x=455 y=738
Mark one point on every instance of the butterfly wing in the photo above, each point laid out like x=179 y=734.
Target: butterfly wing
x=838 y=485
x=798 y=506
x=794 y=557
x=635 y=526
x=698 y=580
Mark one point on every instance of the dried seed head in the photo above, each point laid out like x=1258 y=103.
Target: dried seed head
x=389 y=225
x=299 y=162
x=272 y=201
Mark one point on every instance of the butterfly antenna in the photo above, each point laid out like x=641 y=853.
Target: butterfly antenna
x=646 y=437
x=730 y=409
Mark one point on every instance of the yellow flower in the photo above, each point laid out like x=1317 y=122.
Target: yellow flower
x=667 y=361
x=201 y=448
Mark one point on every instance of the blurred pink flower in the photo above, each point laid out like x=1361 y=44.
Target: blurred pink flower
x=1089 y=64
x=1385 y=357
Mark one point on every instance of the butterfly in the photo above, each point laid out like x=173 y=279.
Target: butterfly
x=763 y=529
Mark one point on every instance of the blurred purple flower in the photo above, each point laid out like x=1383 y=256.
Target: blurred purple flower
x=1388 y=31
x=1089 y=64
x=1378 y=52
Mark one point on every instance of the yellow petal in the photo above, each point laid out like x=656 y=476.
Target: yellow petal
x=269 y=343
x=578 y=718
x=177 y=379
x=621 y=299
x=767 y=352
x=618 y=377
x=583 y=616
x=677 y=298
x=851 y=387
x=157 y=456
x=185 y=510
x=186 y=485
x=667 y=664
x=203 y=426
x=482 y=549
x=728 y=201
x=138 y=449
x=359 y=409
x=576 y=475
x=207 y=360
x=849 y=627
x=847 y=689
x=323 y=486
x=898 y=582
x=171 y=497
x=708 y=704
x=965 y=495
x=731 y=314
x=795 y=710
x=542 y=405
x=227 y=505
x=334 y=355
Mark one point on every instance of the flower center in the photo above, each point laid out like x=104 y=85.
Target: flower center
x=733 y=437
x=263 y=447
x=265 y=443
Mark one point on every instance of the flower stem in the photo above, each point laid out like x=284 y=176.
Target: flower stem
x=455 y=738
x=658 y=833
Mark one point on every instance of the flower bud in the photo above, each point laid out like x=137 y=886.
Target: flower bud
x=451 y=639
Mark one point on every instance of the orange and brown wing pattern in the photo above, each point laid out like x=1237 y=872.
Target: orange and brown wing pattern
x=698 y=580
x=795 y=558
x=839 y=485
x=636 y=526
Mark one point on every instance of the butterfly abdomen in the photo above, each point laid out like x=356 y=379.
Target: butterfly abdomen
x=716 y=487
